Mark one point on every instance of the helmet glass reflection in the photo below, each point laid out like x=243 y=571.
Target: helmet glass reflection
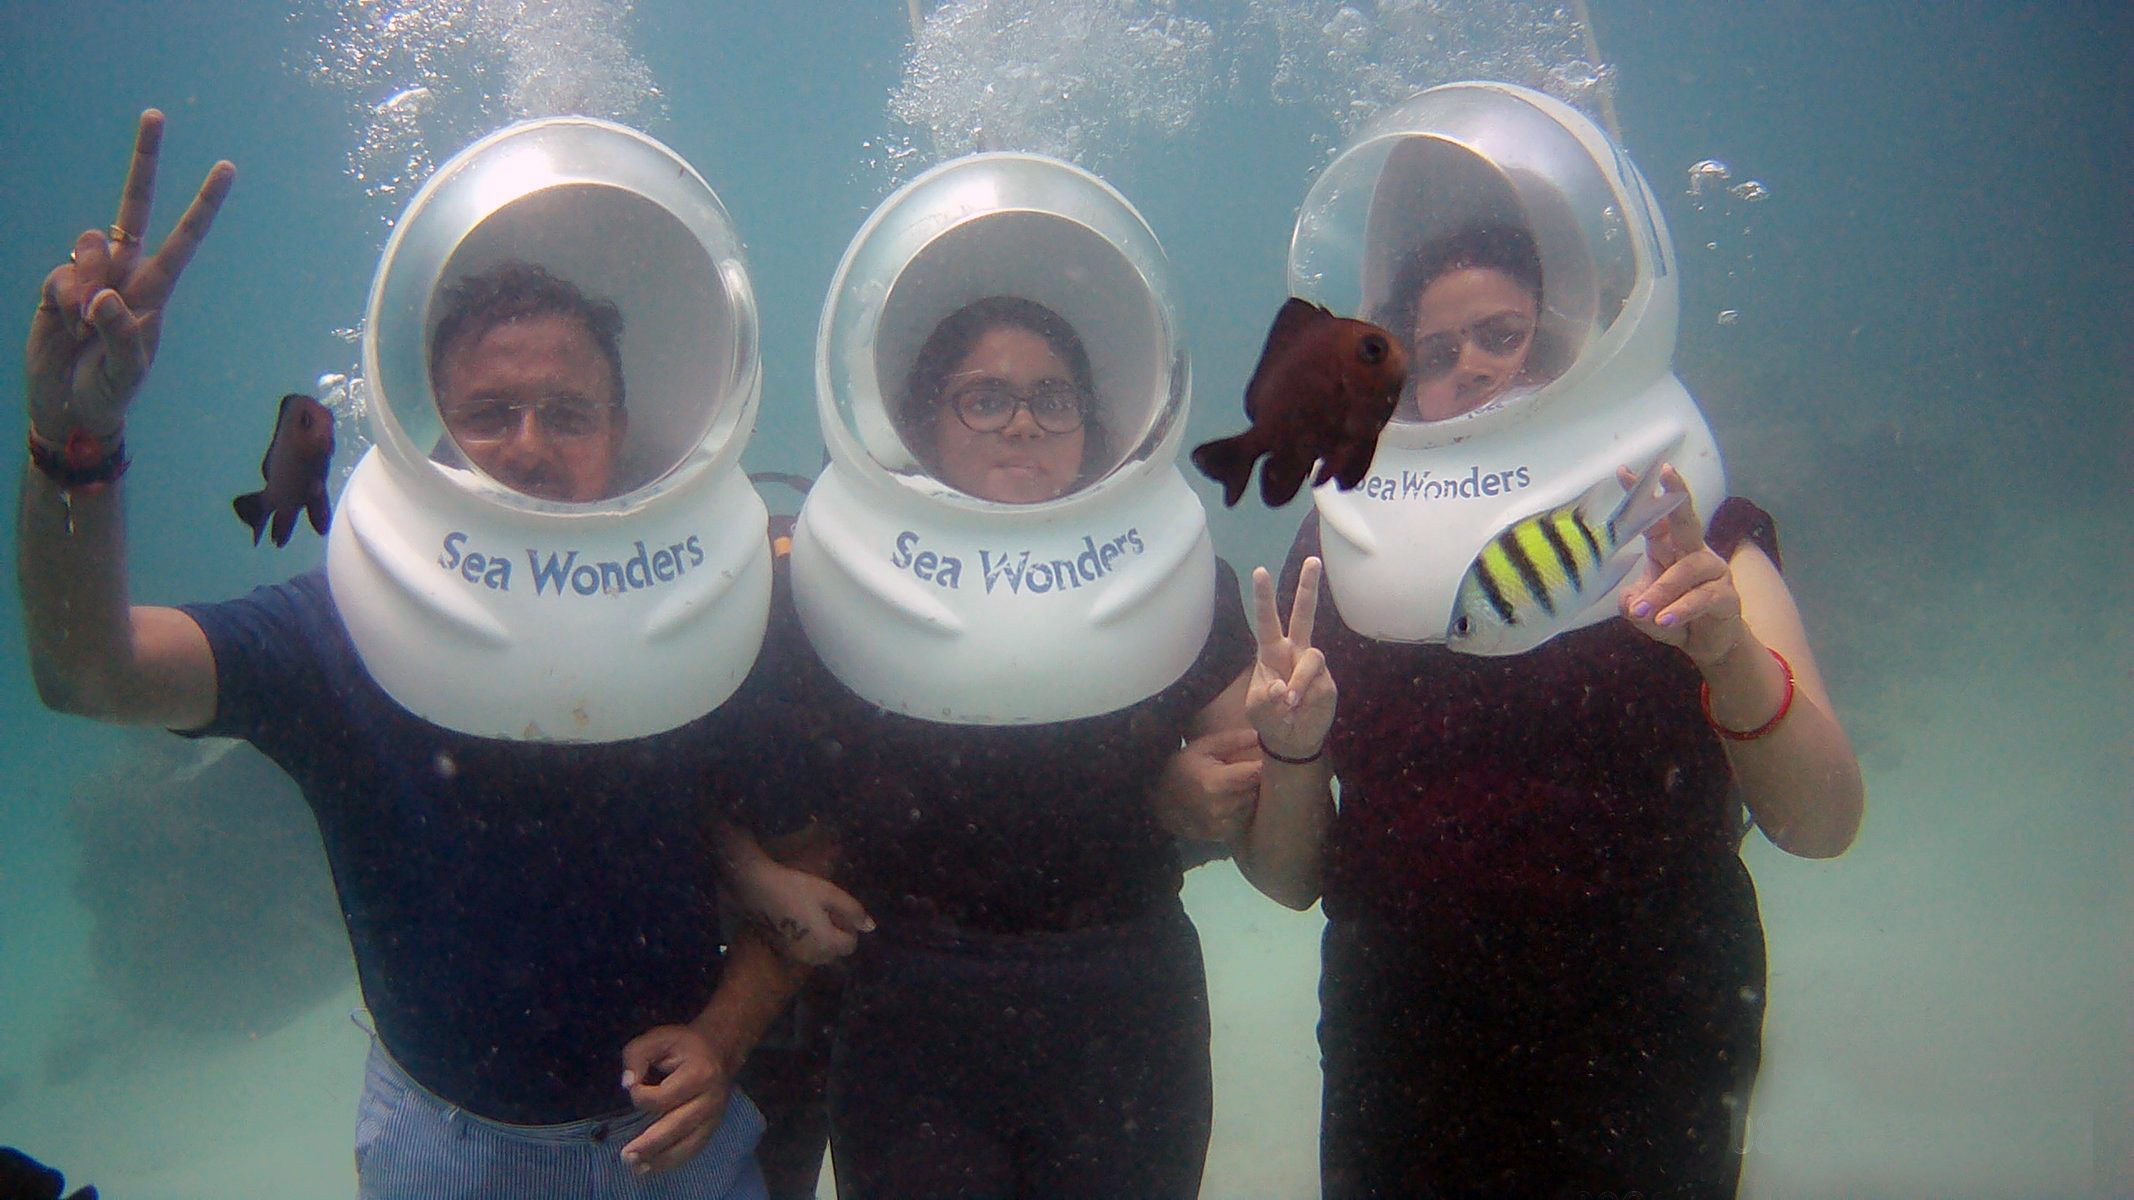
x=563 y=319
x=1483 y=230
x=1001 y=332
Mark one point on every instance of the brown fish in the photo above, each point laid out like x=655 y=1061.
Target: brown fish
x=1325 y=387
x=295 y=471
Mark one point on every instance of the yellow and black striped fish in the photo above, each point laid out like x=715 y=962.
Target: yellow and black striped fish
x=1533 y=579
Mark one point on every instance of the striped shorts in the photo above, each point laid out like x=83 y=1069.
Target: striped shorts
x=412 y=1145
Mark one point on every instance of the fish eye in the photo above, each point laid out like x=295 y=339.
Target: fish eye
x=1460 y=626
x=1372 y=350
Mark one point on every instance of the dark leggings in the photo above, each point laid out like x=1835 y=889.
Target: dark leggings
x=1047 y=1065
x=1611 y=1056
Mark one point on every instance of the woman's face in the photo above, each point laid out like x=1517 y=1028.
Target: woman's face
x=1473 y=328
x=1020 y=463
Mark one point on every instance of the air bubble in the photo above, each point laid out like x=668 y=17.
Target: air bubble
x=1729 y=317
x=1078 y=80
x=1707 y=174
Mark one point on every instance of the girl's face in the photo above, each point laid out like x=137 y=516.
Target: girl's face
x=1473 y=328
x=1022 y=461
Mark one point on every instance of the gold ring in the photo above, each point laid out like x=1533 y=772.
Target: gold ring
x=119 y=236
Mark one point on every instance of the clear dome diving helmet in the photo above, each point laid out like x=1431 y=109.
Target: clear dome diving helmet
x=1599 y=389
x=551 y=538
x=935 y=602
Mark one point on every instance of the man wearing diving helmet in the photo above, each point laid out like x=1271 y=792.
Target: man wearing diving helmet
x=524 y=914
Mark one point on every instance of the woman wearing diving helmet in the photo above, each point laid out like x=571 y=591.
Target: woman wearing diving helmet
x=1543 y=966
x=1021 y=618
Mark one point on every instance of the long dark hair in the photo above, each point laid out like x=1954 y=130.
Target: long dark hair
x=951 y=342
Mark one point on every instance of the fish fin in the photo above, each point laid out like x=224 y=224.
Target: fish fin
x=251 y=508
x=1281 y=477
x=1640 y=508
x=1356 y=462
x=320 y=510
x=1297 y=318
x=1229 y=462
x=284 y=524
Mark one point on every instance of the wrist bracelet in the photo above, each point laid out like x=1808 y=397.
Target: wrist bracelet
x=84 y=461
x=1785 y=704
x=1307 y=760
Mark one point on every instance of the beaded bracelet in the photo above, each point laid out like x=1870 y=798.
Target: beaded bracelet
x=1307 y=760
x=1785 y=704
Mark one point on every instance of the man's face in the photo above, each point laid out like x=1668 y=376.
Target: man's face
x=532 y=403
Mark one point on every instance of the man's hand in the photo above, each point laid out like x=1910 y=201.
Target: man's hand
x=674 y=1072
x=100 y=314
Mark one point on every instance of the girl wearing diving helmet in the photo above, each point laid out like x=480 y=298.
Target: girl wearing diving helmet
x=1022 y=619
x=1543 y=967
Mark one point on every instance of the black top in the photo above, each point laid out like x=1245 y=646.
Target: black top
x=1021 y=828
x=518 y=911
x=1578 y=774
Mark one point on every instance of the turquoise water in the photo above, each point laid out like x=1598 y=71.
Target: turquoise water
x=1926 y=379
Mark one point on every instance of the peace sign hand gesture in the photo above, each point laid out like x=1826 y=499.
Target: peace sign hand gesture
x=101 y=313
x=1291 y=698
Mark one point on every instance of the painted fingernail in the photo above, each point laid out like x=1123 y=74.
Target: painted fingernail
x=1667 y=619
x=1640 y=608
x=629 y=1080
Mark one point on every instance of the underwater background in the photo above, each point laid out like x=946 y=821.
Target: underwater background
x=1913 y=347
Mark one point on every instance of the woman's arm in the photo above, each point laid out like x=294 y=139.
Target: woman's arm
x=1796 y=771
x=1253 y=774
x=1281 y=829
x=1801 y=780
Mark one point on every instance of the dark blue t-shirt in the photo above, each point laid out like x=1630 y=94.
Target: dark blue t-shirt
x=519 y=911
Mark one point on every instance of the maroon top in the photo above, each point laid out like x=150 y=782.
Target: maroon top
x=1580 y=771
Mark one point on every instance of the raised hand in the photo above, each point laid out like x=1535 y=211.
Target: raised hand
x=100 y=314
x=1684 y=595
x=1291 y=698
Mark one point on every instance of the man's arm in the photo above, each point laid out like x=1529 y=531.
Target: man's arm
x=686 y=1072
x=91 y=652
x=98 y=321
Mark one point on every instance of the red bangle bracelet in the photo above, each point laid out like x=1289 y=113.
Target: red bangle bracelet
x=1785 y=704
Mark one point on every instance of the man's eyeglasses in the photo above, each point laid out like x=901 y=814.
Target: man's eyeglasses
x=565 y=418
x=1500 y=336
x=988 y=406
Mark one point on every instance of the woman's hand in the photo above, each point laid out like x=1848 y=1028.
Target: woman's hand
x=1685 y=595
x=1291 y=698
x=100 y=314
x=809 y=919
x=1211 y=786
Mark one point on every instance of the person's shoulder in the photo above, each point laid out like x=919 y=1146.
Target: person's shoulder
x=300 y=598
x=1739 y=520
